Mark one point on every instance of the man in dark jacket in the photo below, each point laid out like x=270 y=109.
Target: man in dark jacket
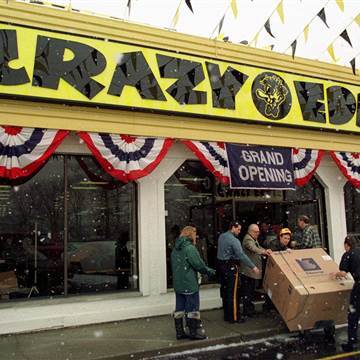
x=350 y=262
x=282 y=243
x=186 y=263
x=230 y=255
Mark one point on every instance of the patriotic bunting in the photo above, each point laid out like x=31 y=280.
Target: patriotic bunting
x=305 y=163
x=349 y=164
x=24 y=150
x=125 y=157
x=213 y=156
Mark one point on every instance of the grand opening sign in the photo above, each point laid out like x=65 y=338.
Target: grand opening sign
x=59 y=67
x=260 y=167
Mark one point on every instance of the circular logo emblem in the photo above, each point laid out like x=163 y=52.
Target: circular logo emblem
x=271 y=96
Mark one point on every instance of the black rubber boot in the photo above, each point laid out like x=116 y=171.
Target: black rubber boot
x=196 y=330
x=179 y=325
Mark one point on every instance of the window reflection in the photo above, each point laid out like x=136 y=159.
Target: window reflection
x=102 y=242
x=31 y=234
x=101 y=251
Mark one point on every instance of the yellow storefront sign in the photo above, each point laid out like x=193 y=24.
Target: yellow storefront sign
x=57 y=67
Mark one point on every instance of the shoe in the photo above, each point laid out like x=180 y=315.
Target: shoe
x=348 y=347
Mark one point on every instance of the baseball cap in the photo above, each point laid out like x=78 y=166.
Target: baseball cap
x=285 y=231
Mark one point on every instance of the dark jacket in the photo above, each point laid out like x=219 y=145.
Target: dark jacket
x=276 y=245
x=186 y=263
x=350 y=262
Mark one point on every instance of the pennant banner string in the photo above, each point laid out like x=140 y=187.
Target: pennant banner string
x=175 y=19
x=219 y=25
x=305 y=30
x=343 y=34
x=263 y=25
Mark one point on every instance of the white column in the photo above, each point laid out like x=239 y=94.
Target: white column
x=151 y=217
x=333 y=181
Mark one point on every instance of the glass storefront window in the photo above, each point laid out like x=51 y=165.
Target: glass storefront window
x=352 y=206
x=100 y=214
x=102 y=251
x=32 y=235
x=193 y=195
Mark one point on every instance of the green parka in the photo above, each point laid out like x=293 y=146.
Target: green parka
x=186 y=263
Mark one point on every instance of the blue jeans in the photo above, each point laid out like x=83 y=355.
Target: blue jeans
x=187 y=303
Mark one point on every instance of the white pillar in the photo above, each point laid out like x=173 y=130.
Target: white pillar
x=151 y=217
x=333 y=181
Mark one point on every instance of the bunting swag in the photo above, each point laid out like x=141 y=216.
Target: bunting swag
x=305 y=163
x=125 y=157
x=24 y=150
x=213 y=156
x=349 y=164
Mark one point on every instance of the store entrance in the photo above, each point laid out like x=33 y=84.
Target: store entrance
x=276 y=214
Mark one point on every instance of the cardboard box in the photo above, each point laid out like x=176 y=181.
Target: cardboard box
x=301 y=288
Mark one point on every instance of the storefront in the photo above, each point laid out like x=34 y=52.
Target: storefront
x=88 y=244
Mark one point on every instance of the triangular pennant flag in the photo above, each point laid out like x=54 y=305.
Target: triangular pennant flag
x=267 y=28
x=280 y=11
x=293 y=48
x=352 y=63
x=357 y=19
x=345 y=36
x=256 y=39
x=176 y=17
x=340 y=4
x=330 y=50
x=306 y=33
x=234 y=8
x=322 y=16
x=129 y=6
x=188 y=3
x=221 y=23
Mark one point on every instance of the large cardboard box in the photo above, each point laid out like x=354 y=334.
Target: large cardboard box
x=301 y=287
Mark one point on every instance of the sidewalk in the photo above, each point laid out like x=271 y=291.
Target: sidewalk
x=131 y=339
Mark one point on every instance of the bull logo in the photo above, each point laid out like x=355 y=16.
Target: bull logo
x=271 y=95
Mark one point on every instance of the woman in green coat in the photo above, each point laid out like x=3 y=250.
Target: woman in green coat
x=186 y=263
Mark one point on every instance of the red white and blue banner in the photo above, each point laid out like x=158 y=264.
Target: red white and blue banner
x=349 y=164
x=125 y=157
x=24 y=150
x=260 y=167
x=305 y=162
x=213 y=156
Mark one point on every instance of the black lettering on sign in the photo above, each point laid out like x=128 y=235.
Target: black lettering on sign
x=8 y=52
x=50 y=67
x=271 y=96
x=132 y=69
x=311 y=97
x=189 y=73
x=341 y=103
x=225 y=87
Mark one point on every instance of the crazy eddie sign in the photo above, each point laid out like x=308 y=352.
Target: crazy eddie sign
x=76 y=69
